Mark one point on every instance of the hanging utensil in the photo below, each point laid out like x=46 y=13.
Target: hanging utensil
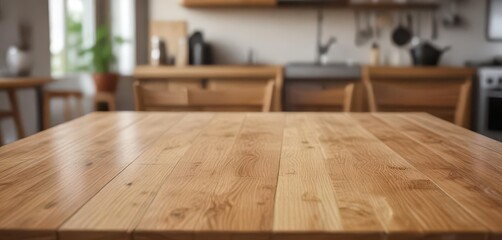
x=401 y=36
x=369 y=27
x=418 y=30
x=359 y=34
x=376 y=26
x=365 y=33
x=409 y=19
x=435 y=30
x=453 y=18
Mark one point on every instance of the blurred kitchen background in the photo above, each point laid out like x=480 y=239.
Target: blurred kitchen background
x=322 y=40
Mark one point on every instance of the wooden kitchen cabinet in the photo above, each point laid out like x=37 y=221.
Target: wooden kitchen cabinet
x=229 y=3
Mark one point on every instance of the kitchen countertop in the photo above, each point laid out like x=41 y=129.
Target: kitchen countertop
x=252 y=176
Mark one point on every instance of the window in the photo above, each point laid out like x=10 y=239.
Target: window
x=123 y=25
x=72 y=25
x=72 y=29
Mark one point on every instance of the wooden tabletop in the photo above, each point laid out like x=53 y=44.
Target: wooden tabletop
x=23 y=82
x=286 y=176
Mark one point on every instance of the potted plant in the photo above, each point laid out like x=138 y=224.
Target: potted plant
x=102 y=60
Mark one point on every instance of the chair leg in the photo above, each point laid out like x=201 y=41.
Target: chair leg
x=67 y=109
x=96 y=104
x=16 y=114
x=1 y=137
x=111 y=104
x=80 y=107
x=47 y=111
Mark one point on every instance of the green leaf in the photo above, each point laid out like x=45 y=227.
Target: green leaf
x=101 y=51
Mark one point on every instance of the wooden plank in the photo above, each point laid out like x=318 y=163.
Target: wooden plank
x=21 y=149
x=178 y=206
x=480 y=196
x=455 y=179
x=486 y=165
x=148 y=176
x=463 y=136
x=242 y=203
x=116 y=209
x=23 y=235
x=20 y=172
x=53 y=199
x=356 y=210
x=305 y=198
x=406 y=201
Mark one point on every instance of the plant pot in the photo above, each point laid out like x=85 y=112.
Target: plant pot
x=105 y=82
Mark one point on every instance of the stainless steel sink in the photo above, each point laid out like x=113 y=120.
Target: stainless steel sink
x=333 y=71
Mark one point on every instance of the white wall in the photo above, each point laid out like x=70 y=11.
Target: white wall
x=289 y=35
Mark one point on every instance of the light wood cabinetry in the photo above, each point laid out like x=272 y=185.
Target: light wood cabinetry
x=229 y=3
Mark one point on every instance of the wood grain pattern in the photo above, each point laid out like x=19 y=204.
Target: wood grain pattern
x=393 y=183
x=50 y=200
x=273 y=176
x=459 y=182
x=135 y=187
x=306 y=200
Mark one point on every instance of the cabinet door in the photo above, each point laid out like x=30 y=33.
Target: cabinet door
x=228 y=3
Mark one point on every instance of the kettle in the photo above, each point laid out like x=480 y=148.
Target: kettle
x=426 y=54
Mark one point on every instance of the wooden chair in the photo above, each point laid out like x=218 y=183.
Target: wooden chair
x=443 y=92
x=107 y=98
x=14 y=114
x=333 y=97
x=66 y=96
x=152 y=97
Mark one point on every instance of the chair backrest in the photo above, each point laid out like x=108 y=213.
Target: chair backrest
x=443 y=92
x=154 y=97
x=333 y=97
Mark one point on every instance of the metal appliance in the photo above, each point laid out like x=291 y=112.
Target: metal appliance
x=488 y=119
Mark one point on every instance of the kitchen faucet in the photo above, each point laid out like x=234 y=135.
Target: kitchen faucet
x=322 y=49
